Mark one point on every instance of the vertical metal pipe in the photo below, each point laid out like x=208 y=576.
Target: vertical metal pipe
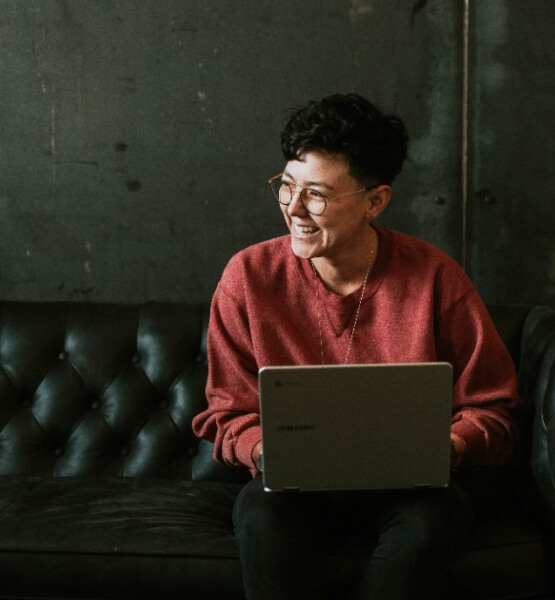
x=464 y=126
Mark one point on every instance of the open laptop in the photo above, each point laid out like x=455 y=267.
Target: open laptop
x=356 y=427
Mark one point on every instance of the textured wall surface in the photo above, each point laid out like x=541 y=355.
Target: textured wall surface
x=511 y=205
x=137 y=137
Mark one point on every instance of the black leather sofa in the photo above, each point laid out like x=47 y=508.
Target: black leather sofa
x=106 y=493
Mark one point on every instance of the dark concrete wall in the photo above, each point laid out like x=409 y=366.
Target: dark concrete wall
x=511 y=203
x=137 y=137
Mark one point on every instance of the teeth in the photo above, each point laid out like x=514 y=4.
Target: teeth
x=305 y=229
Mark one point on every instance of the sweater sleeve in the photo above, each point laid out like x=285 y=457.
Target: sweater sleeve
x=486 y=403
x=232 y=419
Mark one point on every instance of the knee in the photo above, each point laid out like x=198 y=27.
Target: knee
x=433 y=522
x=248 y=506
x=260 y=514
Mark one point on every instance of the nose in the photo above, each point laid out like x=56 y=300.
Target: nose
x=296 y=206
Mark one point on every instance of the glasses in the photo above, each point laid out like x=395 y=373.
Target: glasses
x=314 y=201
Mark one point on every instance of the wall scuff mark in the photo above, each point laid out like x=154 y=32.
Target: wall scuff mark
x=420 y=5
x=359 y=8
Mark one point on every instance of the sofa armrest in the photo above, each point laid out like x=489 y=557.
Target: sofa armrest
x=537 y=385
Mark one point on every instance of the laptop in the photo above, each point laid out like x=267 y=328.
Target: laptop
x=356 y=427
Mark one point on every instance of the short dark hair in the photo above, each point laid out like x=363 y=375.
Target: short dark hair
x=374 y=143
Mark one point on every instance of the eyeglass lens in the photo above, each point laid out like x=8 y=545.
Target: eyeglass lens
x=312 y=200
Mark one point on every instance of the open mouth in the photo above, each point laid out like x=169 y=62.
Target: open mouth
x=303 y=230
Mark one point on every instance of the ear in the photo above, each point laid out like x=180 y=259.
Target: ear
x=378 y=199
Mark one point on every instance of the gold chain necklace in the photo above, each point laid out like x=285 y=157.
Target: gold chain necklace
x=368 y=269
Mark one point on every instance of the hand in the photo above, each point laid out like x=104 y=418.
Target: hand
x=458 y=450
x=257 y=456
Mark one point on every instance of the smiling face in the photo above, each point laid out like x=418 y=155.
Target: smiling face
x=343 y=230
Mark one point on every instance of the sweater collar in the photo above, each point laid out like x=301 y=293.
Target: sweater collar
x=338 y=310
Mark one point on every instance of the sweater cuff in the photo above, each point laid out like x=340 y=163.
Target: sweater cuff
x=246 y=448
x=474 y=441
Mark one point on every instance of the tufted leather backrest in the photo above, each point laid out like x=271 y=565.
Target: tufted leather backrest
x=537 y=382
x=106 y=389
x=103 y=389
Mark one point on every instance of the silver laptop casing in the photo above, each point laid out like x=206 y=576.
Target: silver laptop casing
x=356 y=427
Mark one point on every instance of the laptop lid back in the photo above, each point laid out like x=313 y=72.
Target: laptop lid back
x=355 y=427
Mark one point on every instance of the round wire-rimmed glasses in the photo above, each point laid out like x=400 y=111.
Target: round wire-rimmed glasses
x=314 y=201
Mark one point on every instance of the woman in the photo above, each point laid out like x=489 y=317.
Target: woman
x=339 y=289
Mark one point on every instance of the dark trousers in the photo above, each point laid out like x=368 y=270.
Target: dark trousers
x=386 y=545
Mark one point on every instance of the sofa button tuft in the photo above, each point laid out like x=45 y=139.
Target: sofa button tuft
x=58 y=452
x=62 y=355
x=124 y=451
x=136 y=359
x=95 y=405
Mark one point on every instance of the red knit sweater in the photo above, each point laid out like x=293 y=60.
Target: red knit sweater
x=418 y=306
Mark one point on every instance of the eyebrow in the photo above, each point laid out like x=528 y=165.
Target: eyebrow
x=311 y=183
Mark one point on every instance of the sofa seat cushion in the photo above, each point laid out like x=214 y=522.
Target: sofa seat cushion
x=504 y=557
x=118 y=537
x=111 y=515
x=114 y=537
